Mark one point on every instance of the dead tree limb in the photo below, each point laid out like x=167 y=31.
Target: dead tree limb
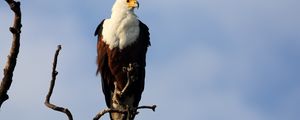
x=111 y=110
x=123 y=109
x=14 y=51
x=153 y=107
x=52 y=84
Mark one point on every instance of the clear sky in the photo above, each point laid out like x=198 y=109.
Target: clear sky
x=209 y=59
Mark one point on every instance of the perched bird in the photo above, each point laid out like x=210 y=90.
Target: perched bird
x=121 y=57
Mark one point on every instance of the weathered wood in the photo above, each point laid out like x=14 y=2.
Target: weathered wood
x=52 y=84
x=14 y=51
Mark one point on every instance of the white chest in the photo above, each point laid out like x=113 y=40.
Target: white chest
x=121 y=31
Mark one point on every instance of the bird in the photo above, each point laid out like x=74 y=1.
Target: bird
x=123 y=41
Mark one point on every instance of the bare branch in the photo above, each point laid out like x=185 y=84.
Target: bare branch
x=153 y=107
x=14 y=51
x=111 y=110
x=108 y=110
x=130 y=79
x=52 y=84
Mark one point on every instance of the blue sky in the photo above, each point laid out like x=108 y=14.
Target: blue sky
x=209 y=59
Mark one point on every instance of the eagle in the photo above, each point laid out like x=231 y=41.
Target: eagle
x=122 y=45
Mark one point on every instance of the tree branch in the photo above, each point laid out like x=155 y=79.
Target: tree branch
x=153 y=107
x=111 y=110
x=108 y=110
x=14 y=51
x=132 y=67
x=52 y=84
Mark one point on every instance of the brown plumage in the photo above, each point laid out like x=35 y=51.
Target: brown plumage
x=111 y=63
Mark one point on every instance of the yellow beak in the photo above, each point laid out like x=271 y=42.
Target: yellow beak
x=133 y=4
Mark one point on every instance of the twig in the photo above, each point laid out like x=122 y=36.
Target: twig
x=54 y=74
x=129 y=70
x=14 y=51
x=153 y=107
x=108 y=110
x=111 y=110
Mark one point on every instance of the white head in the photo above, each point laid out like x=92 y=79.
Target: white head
x=122 y=29
x=125 y=5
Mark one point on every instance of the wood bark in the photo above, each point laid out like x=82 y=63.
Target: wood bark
x=110 y=110
x=52 y=84
x=14 y=51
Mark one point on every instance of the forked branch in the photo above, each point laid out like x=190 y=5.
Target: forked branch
x=111 y=110
x=130 y=78
x=52 y=84
x=14 y=51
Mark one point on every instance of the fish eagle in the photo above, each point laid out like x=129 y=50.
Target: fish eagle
x=121 y=57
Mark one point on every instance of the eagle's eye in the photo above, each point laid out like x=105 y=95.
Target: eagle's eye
x=127 y=0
